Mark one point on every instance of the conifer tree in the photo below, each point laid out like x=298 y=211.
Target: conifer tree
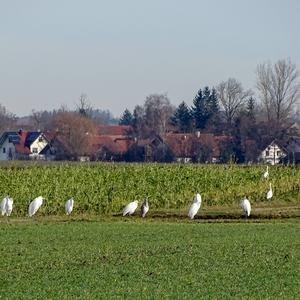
x=182 y=117
x=198 y=110
x=127 y=118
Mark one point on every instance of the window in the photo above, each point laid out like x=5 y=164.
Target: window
x=267 y=153
x=4 y=150
x=40 y=139
x=34 y=150
x=278 y=153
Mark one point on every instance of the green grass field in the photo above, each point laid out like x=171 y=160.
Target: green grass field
x=103 y=188
x=97 y=254
x=114 y=258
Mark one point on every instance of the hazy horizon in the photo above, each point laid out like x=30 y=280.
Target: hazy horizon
x=120 y=52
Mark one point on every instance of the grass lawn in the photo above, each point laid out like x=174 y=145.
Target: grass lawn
x=153 y=259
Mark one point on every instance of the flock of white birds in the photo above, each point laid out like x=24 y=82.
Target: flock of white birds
x=196 y=204
x=6 y=205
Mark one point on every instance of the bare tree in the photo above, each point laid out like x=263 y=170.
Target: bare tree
x=232 y=97
x=84 y=107
x=138 y=120
x=279 y=89
x=37 y=118
x=7 y=119
x=158 y=111
x=76 y=132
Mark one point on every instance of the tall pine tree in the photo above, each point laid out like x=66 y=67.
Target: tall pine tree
x=182 y=118
x=127 y=118
x=250 y=110
x=213 y=111
x=205 y=109
x=198 y=110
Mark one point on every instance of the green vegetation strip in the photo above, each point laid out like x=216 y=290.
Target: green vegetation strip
x=138 y=259
x=104 y=188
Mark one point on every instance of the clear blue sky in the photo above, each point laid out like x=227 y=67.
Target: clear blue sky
x=118 y=52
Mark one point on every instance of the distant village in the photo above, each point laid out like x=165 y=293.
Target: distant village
x=224 y=124
x=118 y=143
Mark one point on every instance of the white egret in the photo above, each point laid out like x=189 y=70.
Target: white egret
x=3 y=206
x=9 y=206
x=195 y=206
x=35 y=205
x=266 y=174
x=6 y=206
x=270 y=193
x=144 y=208
x=130 y=208
x=69 y=206
x=246 y=206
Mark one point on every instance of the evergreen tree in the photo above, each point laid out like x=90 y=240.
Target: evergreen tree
x=213 y=112
x=199 y=111
x=182 y=117
x=238 y=151
x=205 y=110
x=250 y=110
x=127 y=118
x=213 y=104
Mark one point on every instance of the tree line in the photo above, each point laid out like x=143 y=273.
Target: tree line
x=227 y=109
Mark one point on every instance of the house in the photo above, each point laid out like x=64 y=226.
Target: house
x=12 y=145
x=292 y=146
x=111 y=142
x=195 y=147
x=110 y=147
x=25 y=145
x=149 y=149
x=8 y=142
x=273 y=153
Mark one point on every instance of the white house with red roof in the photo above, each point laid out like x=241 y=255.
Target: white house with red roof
x=24 y=145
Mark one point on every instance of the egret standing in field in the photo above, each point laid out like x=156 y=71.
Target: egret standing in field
x=35 y=205
x=130 y=208
x=144 y=208
x=69 y=206
x=270 y=193
x=3 y=206
x=266 y=174
x=6 y=206
x=195 y=206
x=246 y=207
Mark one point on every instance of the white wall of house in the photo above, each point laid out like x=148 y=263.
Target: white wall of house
x=37 y=146
x=183 y=159
x=272 y=154
x=6 y=149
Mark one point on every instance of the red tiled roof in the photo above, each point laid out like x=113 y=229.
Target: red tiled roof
x=116 y=144
x=182 y=143
x=123 y=130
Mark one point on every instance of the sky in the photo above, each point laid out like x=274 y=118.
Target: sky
x=118 y=52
